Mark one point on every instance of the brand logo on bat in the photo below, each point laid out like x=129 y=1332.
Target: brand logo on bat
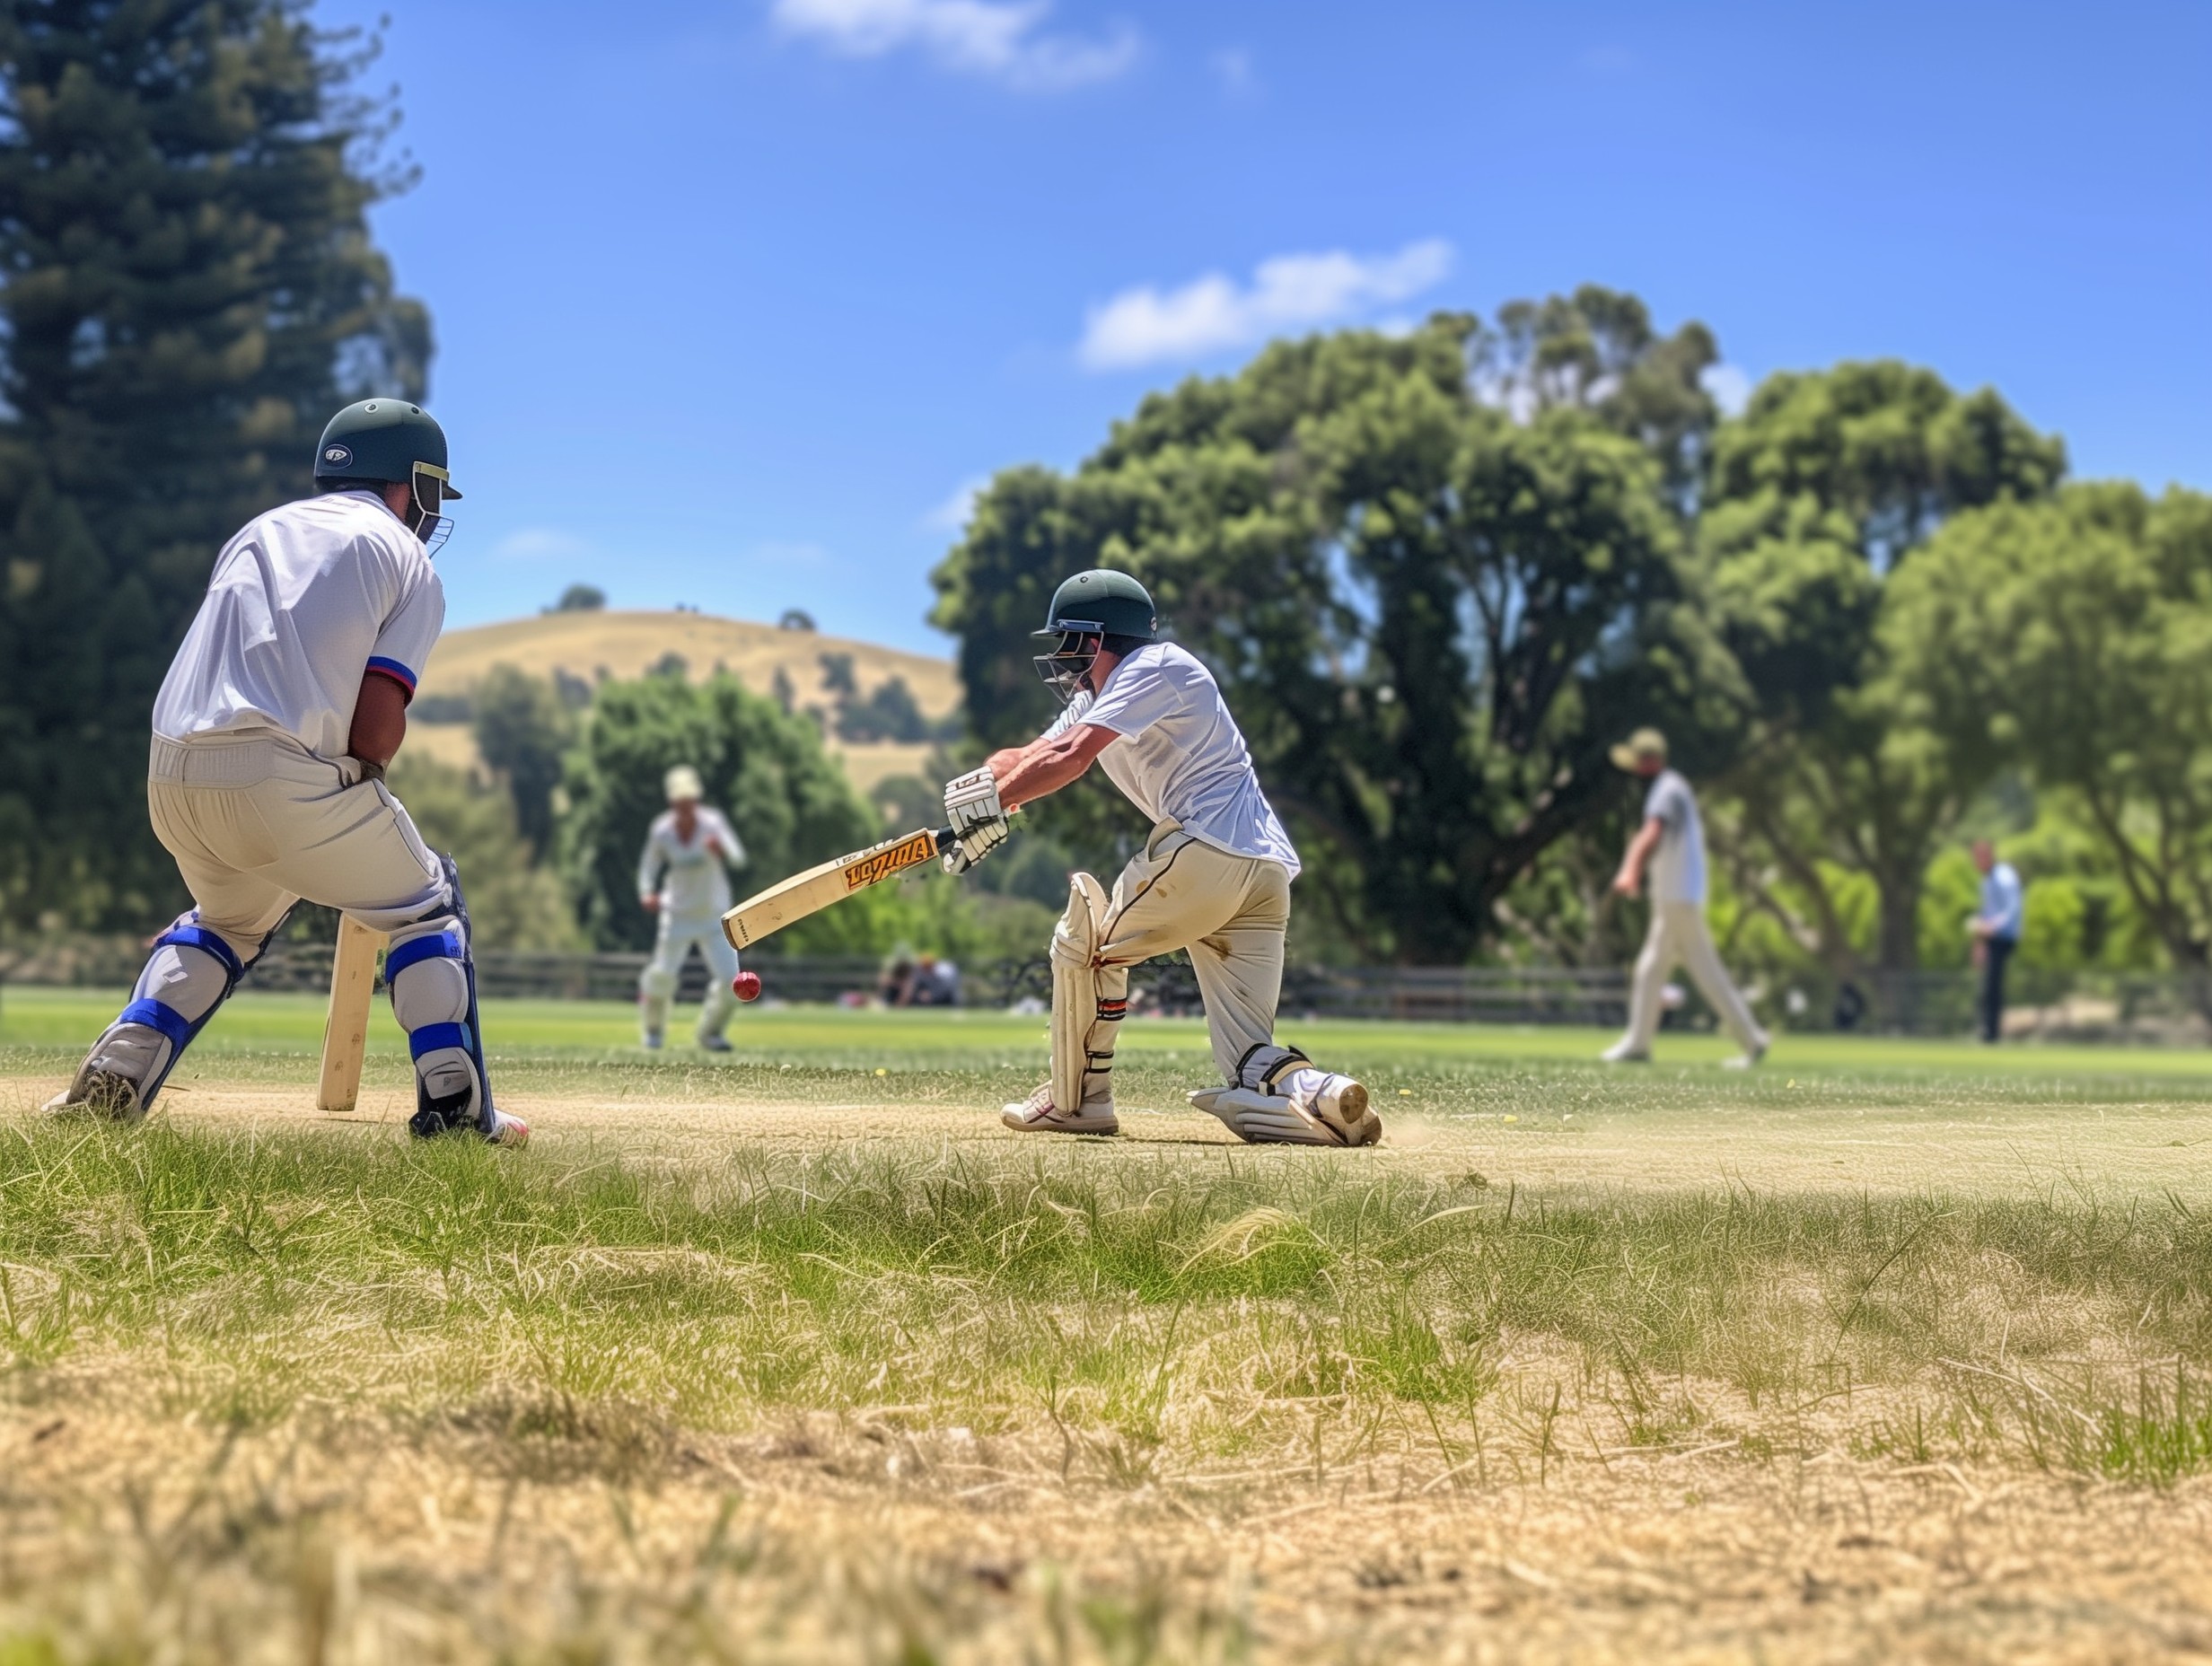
x=879 y=864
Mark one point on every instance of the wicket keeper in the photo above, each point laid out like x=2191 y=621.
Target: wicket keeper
x=1214 y=878
x=271 y=733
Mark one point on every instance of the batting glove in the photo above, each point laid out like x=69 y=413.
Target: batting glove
x=978 y=817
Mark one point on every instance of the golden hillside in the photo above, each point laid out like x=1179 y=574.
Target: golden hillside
x=625 y=644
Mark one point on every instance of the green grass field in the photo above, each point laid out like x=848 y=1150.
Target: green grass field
x=1887 y=1350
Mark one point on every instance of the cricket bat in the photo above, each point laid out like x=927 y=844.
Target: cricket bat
x=816 y=889
x=346 y=1033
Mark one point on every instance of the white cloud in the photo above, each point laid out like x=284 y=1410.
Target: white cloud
x=952 y=515
x=539 y=543
x=1144 y=325
x=1002 y=40
x=1731 y=388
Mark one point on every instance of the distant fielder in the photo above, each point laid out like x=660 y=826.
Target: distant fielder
x=1670 y=847
x=693 y=846
x=271 y=734
x=1213 y=877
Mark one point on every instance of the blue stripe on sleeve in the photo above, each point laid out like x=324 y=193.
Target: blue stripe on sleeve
x=392 y=668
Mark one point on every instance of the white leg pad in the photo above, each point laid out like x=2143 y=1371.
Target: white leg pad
x=436 y=991
x=129 y=1060
x=1075 y=992
x=1283 y=1100
x=430 y=992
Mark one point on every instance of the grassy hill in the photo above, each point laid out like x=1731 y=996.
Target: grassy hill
x=627 y=644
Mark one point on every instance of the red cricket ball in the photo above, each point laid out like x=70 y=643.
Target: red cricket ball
x=746 y=986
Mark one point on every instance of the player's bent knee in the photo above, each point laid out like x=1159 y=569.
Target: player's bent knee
x=428 y=982
x=1075 y=940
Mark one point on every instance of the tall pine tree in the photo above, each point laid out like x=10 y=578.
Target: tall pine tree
x=189 y=290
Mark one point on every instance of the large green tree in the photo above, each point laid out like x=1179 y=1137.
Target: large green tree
x=787 y=798
x=1434 y=574
x=189 y=291
x=2073 y=638
x=523 y=732
x=1823 y=489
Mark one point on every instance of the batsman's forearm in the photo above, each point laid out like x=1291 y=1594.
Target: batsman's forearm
x=1038 y=772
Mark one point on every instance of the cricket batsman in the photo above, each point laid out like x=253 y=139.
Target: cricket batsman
x=1214 y=878
x=271 y=734
x=693 y=846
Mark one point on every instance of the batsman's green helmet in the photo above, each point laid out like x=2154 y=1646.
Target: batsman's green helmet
x=383 y=440
x=1099 y=603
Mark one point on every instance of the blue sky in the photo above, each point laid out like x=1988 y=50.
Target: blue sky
x=735 y=298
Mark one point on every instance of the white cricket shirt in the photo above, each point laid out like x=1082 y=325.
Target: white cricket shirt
x=697 y=884
x=1180 y=757
x=302 y=603
x=1678 y=866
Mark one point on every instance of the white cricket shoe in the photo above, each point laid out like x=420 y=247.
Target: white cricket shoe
x=1623 y=1053
x=1036 y=1115
x=1747 y=1061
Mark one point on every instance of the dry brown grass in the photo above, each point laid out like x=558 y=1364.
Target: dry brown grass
x=324 y=1538
x=1863 y=1445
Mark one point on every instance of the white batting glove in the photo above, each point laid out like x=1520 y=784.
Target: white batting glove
x=978 y=819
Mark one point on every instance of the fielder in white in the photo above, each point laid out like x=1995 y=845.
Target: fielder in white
x=1670 y=845
x=683 y=876
x=271 y=733
x=1214 y=878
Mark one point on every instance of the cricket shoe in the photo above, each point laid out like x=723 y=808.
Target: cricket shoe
x=650 y=1042
x=1323 y=1109
x=99 y=1093
x=1749 y=1060
x=437 y=1118
x=106 y=1085
x=1621 y=1053
x=715 y=1043
x=460 y=1109
x=1036 y=1115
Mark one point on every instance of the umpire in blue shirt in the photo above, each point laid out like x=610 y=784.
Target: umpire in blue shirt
x=1996 y=931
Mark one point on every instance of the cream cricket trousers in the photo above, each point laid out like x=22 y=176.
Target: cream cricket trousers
x=1679 y=937
x=258 y=822
x=656 y=984
x=1229 y=911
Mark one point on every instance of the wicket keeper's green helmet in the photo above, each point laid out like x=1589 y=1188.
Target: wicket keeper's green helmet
x=1099 y=603
x=385 y=440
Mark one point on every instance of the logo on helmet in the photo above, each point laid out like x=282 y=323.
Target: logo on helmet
x=338 y=456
